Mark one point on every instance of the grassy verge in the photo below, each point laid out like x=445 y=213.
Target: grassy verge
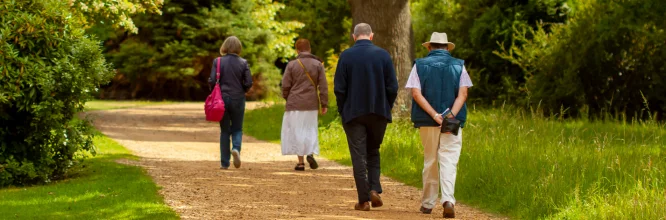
x=525 y=166
x=101 y=189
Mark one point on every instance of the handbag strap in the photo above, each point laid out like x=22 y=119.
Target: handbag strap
x=311 y=81
x=307 y=73
x=217 y=77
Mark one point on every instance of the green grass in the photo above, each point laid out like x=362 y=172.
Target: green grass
x=100 y=189
x=107 y=104
x=266 y=123
x=525 y=166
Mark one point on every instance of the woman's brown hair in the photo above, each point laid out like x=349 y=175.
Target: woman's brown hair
x=303 y=45
x=231 y=45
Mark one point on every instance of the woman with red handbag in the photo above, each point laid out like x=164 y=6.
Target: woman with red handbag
x=234 y=81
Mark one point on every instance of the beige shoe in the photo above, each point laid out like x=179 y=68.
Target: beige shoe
x=237 y=161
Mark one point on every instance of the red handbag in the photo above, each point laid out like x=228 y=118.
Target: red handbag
x=214 y=106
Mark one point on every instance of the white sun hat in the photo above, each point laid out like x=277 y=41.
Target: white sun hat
x=439 y=38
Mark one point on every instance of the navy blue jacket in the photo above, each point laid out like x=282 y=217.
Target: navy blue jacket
x=235 y=76
x=365 y=82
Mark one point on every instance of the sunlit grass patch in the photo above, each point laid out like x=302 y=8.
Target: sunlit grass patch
x=100 y=189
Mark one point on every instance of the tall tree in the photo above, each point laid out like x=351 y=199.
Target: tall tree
x=392 y=25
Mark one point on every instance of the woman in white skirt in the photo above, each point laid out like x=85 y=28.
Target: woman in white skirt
x=302 y=78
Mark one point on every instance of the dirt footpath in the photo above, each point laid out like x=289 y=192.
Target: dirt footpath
x=180 y=150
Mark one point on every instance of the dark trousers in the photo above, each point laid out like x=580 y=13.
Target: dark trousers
x=364 y=136
x=231 y=126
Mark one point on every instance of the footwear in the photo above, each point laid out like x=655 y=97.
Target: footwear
x=425 y=210
x=237 y=161
x=300 y=167
x=449 y=212
x=362 y=206
x=312 y=162
x=224 y=168
x=376 y=200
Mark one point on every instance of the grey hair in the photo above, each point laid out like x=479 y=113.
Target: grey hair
x=362 y=29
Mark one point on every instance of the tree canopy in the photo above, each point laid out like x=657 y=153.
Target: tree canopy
x=171 y=55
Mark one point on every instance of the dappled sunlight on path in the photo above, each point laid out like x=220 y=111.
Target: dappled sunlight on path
x=180 y=150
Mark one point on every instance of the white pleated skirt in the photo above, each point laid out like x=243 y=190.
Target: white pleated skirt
x=299 y=134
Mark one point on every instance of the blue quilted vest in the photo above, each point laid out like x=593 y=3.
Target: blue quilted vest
x=439 y=75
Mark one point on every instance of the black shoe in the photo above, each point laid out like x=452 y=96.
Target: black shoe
x=449 y=212
x=300 y=167
x=312 y=162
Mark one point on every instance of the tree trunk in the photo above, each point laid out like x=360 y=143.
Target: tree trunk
x=391 y=21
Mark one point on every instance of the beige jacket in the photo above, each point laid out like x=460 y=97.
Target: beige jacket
x=298 y=90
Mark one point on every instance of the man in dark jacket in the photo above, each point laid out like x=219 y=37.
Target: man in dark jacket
x=365 y=89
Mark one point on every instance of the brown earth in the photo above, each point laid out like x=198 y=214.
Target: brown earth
x=180 y=151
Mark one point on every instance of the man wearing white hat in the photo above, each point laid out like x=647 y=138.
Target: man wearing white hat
x=439 y=84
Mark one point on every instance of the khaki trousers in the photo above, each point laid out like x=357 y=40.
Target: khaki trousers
x=440 y=161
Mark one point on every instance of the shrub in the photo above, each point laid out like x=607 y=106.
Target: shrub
x=607 y=59
x=48 y=68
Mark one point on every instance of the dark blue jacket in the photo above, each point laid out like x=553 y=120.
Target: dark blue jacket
x=235 y=76
x=365 y=82
x=439 y=75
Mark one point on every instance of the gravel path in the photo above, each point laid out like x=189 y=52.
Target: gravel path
x=180 y=151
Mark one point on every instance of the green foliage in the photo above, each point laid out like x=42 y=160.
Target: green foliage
x=101 y=189
x=117 y=13
x=48 y=69
x=477 y=27
x=172 y=54
x=608 y=58
x=327 y=23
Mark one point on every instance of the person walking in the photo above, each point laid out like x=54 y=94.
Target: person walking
x=439 y=84
x=365 y=87
x=235 y=81
x=305 y=89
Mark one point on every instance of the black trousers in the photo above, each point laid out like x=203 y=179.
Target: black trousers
x=364 y=136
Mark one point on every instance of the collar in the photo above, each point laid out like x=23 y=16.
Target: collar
x=363 y=42
x=439 y=52
x=307 y=55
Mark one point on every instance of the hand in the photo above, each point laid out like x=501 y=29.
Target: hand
x=324 y=110
x=450 y=116
x=439 y=119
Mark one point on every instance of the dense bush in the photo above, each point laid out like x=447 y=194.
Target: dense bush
x=478 y=27
x=49 y=67
x=607 y=59
x=171 y=56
